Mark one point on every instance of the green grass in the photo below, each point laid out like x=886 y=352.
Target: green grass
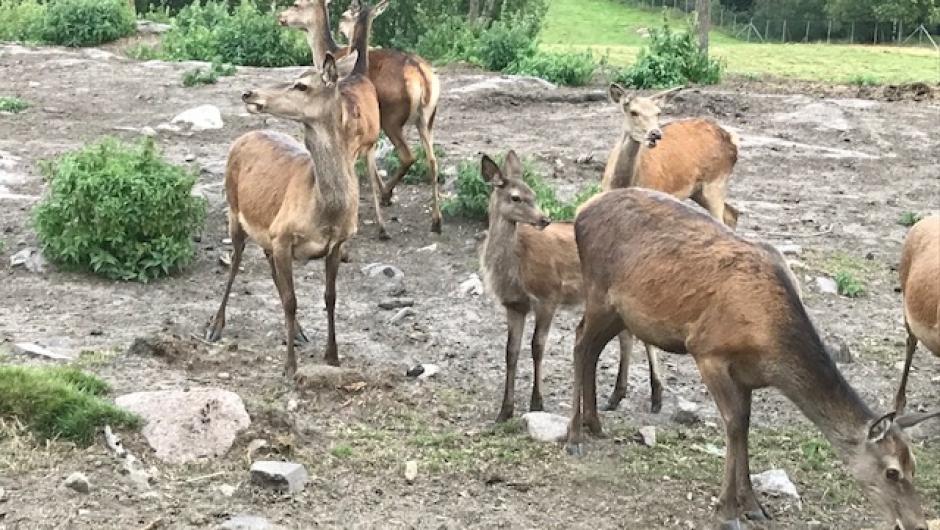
x=13 y=104
x=610 y=28
x=910 y=218
x=59 y=402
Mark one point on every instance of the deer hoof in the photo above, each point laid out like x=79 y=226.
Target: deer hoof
x=656 y=407
x=212 y=334
x=301 y=338
x=733 y=524
x=503 y=416
x=575 y=450
x=436 y=226
x=383 y=235
x=757 y=515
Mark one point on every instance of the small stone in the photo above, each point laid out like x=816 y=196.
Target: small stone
x=83 y=512
x=827 y=285
x=428 y=249
x=379 y=269
x=248 y=522
x=3 y=495
x=288 y=476
x=224 y=375
x=141 y=479
x=429 y=370
x=189 y=157
x=291 y=405
x=201 y=118
x=395 y=303
x=545 y=427
x=790 y=249
x=686 y=413
x=401 y=315
x=411 y=471
x=473 y=286
x=647 y=436
x=78 y=481
x=30 y=259
x=148 y=131
x=584 y=159
x=29 y=348
x=838 y=350
x=227 y=490
x=34 y=84
x=775 y=482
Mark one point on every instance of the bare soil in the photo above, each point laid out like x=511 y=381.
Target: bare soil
x=829 y=170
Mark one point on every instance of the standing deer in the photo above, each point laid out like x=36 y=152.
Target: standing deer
x=407 y=87
x=685 y=283
x=529 y=265
x=296 y=204
x=919 y=272
x=691 y=158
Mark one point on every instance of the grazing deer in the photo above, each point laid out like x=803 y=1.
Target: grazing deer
x=685 y=283
x=690 y=158
x=408 y=89
x=296 y=204
x=919 y=272
x=529 y=265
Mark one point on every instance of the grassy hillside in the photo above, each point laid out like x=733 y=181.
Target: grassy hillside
x=610 y=27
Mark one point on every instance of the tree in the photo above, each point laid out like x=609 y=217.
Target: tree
x=703 y=9
x=909 y=11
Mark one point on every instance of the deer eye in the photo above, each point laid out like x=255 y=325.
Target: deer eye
x=515 y=198
x=300 y=86
x=634 y=113
x=893 y=474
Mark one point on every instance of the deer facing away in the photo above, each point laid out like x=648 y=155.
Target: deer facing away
x=689 y=158
x=530 y=264
x=407 y=86
x=685 y=283
x=919 y=273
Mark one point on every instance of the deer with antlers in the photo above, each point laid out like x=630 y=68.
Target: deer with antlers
x=407 y=86
x=682 y=281
x=300 y=202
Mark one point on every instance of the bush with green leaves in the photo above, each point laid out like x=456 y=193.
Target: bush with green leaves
x=22 y=20
x=505 y=43
x=118 y=210
x=59 y=402
x=572 y=69
x=207 y=76
x=13 y=104
x=87 y=22
x=418 y=172
x=448 y=40
x=671 y=59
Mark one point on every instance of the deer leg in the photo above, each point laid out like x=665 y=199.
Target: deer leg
x=656 y=379
x=515 y=322
x=620 y=388
x=333 y=258
x=238 y=235
x=900 y=400
x=283 y=271
x=543 y=324
x=734 y=402
x=301 y=337
x=712 y=198
x=427 y=140
x=731 y=216
x=405 y=159
x=377 y=188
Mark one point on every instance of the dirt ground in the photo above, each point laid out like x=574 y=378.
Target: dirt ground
x=819 y=167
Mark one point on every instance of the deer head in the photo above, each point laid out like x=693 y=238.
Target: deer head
x=511 y=198
x=883 y=465
x=641 y=114
x=347 y=21
x=307 y=98
x=302 y=14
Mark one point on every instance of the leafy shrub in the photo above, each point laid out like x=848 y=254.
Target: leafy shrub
x=118 y=210
x=910 y=218
x=87 y=22
x=574 y=69
x=200 y=76
x=418 y=172
x=449 y=39
x=143 y=52
x=863 y=80
x=59 y=401
x=505 y=43
x=13 y=104
x=671 y=59
x=848 y=285
x=22 y=20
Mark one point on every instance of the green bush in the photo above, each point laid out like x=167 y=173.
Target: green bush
x=22 y=20
x=671 y=59
x=505 y=43
x=449 y=39
x=59 y=402
x=572 y=69
x=87 y=22
x=910 y=218
x=210 y=76
x=13 y=104
x=118 y=210
x=418 y=172
x=473 y=194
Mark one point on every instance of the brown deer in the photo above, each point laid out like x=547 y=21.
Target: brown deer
x=407 y=86
x=919 y=272
x=531 y=265
x=690 y=158
x=302 y=204
x=682 y=281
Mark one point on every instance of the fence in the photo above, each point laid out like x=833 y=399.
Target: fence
x=767 y=28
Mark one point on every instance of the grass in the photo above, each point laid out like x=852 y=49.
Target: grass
x=610 y=28
x=849 y=272
x=909 y=218
x=207 y=76
x=59 y=402
x=13 y=104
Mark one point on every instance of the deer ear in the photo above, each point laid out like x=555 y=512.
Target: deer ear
x=379 y=8
x=880 y=427
x=491 y=173
x=616 y=93
x=910 y=420
x=329 y=71
x=354 y=6
x=512 y=167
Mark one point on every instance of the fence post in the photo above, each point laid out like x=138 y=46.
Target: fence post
x=783 y=34
x=900 y=31
x=734 y=24
x=875 y=40
x=829 y=32
x=852 y=36
x=767 y=29
x=806 y=37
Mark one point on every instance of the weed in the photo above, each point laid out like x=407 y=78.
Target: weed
x=848 y=285
x=572 y=69
x=418 y=172
x=13 y=104
x=863 y=80
x=118 y=210
x=3 y=245
x=22 y=20
x=341 y=451
x=505 y=43
x=87 y=22
x=143 y=52
x=671 y=59
x=752 y=76
x=909 y=219
x=210 y=76
x=59 y=402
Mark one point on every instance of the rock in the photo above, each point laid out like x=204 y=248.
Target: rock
x=141 y=479
x=249 y=522
x=189 y=157
x=29 y=348
x=584 y=159
x=396 y=289
x=838 y=350
x=292 y=405
x=686 y=412
x=148 y=131
x=790 y=249
x=402 y=314
x=428 y=249
x=148 y=27
x=376 y=269
x=423 y=371
x=325 y=377
x=227 y=490
x=411 y=471
x=3 y=495
x=473 y=286
x=169 y=128
x=545 y=427
x=287 y=476
x=201 y=118
x=395 y=303
x=77 y=481
x=30 y=259
x=183 y=426
x=827 y=285
x=647 y=436
x=775 y=482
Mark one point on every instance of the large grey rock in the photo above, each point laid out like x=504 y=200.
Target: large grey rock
x=545 y=427
x=287 y=476
x=201 y=118
x=185 y=425
x=35 y=350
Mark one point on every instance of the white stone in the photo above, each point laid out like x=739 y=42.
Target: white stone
x=827 y=285
x=201 y=118
x=288 y=476
x=545 y=427
x=775 y=482
x=648 y=435
x=78 y=481
x=472 y=286
x=411 y=471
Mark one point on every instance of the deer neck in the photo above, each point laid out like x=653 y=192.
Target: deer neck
x=360 y=43
x=333 y=182
x=628 y=162
x=499 y=251
x=320 y=38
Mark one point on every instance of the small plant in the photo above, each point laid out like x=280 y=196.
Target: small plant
x=210 y=76
x=571 y=69
x=341 y=451
x=671 y=59
x=864 y=80
x=448 y=39
x=13 y=104
x=87 y=22
x=118 y=210
x=59 y=402
x=22 y=20
x=909 y=219
x=418 y=172
x=143 y=52
x=848 y=285
x=752 y=77
x=3 y=244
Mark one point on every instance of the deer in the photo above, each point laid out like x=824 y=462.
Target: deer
x=679 y=279
x=919 y=271
x=530 y=265
x=407 y=87
x=689 y=158
x=300 y=202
